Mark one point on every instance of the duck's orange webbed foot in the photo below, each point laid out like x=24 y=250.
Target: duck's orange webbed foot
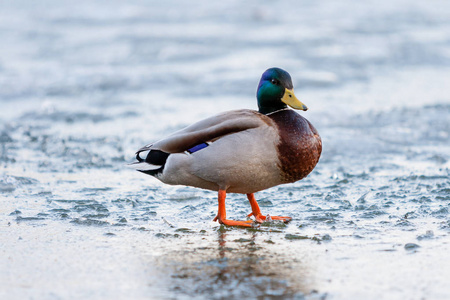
x=227 y=222
x=222 y=215
x=260 y=218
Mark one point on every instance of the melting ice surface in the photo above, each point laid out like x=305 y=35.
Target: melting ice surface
x=85 y=84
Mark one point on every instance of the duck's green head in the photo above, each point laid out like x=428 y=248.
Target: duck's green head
x=275 y=92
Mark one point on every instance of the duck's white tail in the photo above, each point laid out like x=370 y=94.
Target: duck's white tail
x=143 y=166
x=149 y=161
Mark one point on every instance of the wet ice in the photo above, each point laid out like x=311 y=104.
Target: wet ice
x=84 y=85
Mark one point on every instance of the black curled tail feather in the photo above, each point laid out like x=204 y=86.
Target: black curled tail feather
x=139 y=159
x=152 y=161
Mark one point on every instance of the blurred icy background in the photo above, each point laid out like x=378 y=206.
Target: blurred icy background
x=83 y=84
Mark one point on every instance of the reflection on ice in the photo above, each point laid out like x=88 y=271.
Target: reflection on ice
x=250 y=266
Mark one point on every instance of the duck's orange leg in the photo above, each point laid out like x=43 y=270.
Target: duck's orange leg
x=222 y=214
x=256 y=211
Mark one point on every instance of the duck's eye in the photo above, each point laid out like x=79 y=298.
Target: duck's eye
x=274 y=81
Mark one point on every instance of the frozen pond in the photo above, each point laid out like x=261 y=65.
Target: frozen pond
x=83 y=84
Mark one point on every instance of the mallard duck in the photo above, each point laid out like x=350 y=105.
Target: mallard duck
x=240 y=151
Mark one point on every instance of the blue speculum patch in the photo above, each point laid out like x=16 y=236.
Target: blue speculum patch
x=197 y=148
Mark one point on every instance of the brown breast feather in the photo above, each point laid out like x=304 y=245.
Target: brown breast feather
x=300 y=145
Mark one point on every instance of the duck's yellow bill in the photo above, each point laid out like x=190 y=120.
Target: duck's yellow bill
x=290 y=99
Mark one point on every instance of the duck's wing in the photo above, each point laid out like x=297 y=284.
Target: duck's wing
x=209 y=129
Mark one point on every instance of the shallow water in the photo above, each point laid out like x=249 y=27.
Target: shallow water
x=85 y=84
